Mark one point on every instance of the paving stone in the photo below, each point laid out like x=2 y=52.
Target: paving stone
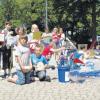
x=54 y=90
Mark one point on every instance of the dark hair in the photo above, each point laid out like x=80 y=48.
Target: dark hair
x=18 y=28
x=24 y=37
x=8 y=23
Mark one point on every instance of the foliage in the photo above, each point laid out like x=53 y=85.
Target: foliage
x=1 y=16
x=78 y=16
x=73 y=15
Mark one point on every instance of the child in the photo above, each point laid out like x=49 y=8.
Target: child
x=6 y=50
x=23 y=62
x=35 y=34
x=61 y=35
x=40 y=64
x=55 y=37
x=50 y=49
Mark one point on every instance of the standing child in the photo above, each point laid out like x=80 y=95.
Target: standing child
x=23 y=62
x=6 y=49
x=61 y=35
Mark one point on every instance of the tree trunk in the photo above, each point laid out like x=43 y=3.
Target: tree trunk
x=93 y=24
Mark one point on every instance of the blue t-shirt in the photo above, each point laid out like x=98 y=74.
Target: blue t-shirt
x=35 y=59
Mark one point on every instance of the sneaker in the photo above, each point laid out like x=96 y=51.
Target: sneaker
x=4 y=76
x=33 y=79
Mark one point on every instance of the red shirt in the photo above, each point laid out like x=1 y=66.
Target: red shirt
x=47 y=51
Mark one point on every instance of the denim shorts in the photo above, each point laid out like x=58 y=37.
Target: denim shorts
x=22 y=77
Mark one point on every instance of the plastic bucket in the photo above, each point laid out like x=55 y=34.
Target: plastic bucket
x=63 y=74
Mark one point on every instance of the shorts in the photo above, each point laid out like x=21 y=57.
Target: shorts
x=22 y=77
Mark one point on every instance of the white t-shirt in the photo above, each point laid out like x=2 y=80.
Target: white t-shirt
x=30 y=37
x=48 y=38
x=24 y=53
x=10 y=39
x=5 y=32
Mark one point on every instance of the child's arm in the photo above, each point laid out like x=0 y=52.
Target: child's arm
x=31 y=65
x=20 y=63
x=46 y=35
x=57 y=50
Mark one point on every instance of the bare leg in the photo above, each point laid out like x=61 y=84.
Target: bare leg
x=12 y=79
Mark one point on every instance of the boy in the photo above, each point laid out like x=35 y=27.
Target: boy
x=40 y=64
x=6 y=49
x=23 y=62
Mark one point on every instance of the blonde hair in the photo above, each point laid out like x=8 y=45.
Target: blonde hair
x=33 y=27
x=41 y=46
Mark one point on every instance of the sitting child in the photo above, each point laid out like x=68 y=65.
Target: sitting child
x=40 y=64
x=23 y=62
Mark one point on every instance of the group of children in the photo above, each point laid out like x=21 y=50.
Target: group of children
x=31 y=60
x=28 y=64
x=32 y=55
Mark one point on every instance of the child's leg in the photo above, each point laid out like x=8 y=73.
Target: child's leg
x=12 y=79
x=27 y=77
x=41 y=75
x=4 y=66
x=9 y=61
x=18 y=79
x=21 y=77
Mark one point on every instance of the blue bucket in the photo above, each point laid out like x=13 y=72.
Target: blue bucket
x=63 y=73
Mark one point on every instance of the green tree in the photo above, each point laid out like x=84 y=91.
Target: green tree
x=1 y=16
x=74 y=15
x=78 y=15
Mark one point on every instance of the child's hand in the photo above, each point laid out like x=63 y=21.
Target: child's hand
x=26 y=69
x=63 y=48
x=23 y=70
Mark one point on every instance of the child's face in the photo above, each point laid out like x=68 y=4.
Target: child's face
x=38 y=51
x=21 y=31
x=8 y=26
x=61 y=30
x=23 y=41
x=35 y=29
x=55 y=30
